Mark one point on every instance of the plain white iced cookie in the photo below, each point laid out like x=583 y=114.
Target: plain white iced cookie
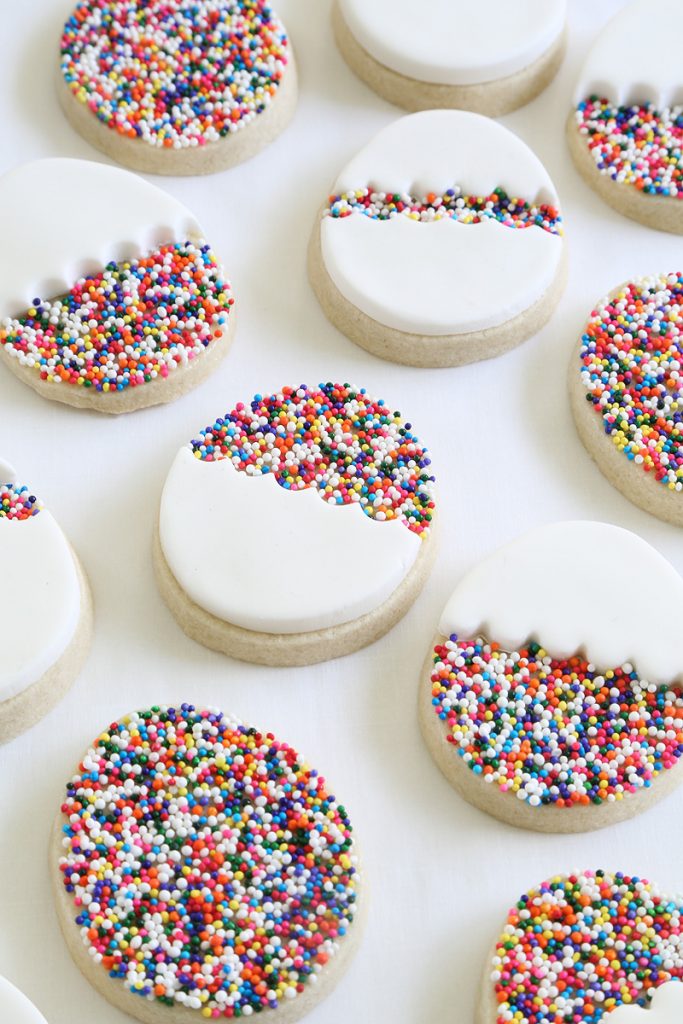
x=188 y=89
x=46 y=626
x=624 y=132
x=491 y=59
x=441 y=242
x=297 y=528
x=112 y=300
x=553 y=653
x=15 y=1008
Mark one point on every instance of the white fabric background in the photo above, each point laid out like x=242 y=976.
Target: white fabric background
x=506 y=455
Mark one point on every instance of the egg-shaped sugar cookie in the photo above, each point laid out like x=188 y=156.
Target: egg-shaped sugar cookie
x=46 y=624
x=441 y=242
x=490 y=60
x=552 y=697
x=203 y=869
x=169 y=87
x=594 y=947
x=626 y=130
x=112 y=300
x=298 y=527
x=15 y=1007
x=626 y=392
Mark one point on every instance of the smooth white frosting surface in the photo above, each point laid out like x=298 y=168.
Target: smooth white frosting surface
x=637 y=56
x=275 y=561
x=15 y=1008
x=577 y=587
x=666 y=1008
x=452 y=42
x=40 y=620
x=62 y=219
x=8 y=474
x=445 y=277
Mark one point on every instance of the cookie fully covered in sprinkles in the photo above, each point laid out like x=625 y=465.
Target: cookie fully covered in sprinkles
x=46 y=613
x=297 y=527
x=627 y=391
x=542 y=705
x=113 y=299
x=441 y=242
x=201 y=865
x=173 y=87
x=587 y=948
x=626 y=130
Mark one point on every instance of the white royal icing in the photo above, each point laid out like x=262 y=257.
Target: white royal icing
x=452 y=42
x=8 y=473
x=15 y=1008
x=264 y=558
x=40 y=618
x=577 y=587
x=445 y=277
x=62 y=219
x=637 y=56
x=666 y=1008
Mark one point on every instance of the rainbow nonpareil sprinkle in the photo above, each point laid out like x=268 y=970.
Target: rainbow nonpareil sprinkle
x=577 y=947
x=135 y=322
x=554 y=731
x=209 y=867
x=17 y=503
x=171 y=73
x=638 y=145
x=631 y=356
x=351 y=447
x=450 y=205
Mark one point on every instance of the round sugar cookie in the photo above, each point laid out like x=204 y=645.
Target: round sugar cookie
x=441 y=242
x=551 y=697
x=169 y=87
x=15 y=1008
x=626 y=131
x=593 y=948
x=204 y=869
x=296 y=528
x=47 y=617
x=112 y=299
x=627 y=392
x=491 y=59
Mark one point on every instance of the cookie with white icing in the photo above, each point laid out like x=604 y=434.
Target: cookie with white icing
x=177 y=88
x=627 y=392
x=298 y=527
x=441 y=242
x=202 y=868
x=112 y=300
x=551 y=697
x=626 y=130
x=47 y=623
x=491 y=59
x=15 y=1007
x=594 y=947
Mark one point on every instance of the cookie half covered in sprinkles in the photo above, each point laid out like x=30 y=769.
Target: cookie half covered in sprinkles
x=113 y=299
x=588 y=948
x=297 y=527
x=627 y=392
x=170 y=87
x=543 y=706
x=204 y=870
x=46 y=614
x=626 y=130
